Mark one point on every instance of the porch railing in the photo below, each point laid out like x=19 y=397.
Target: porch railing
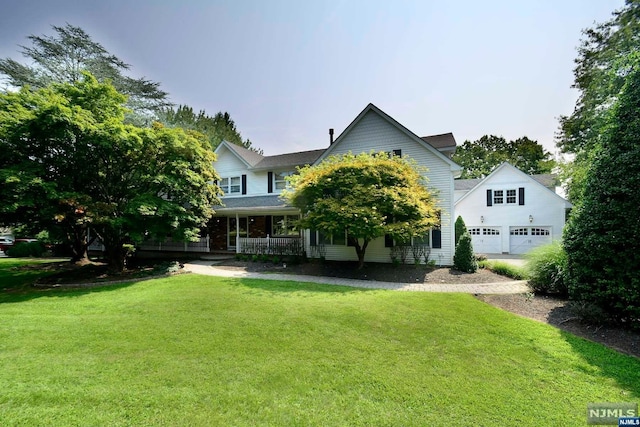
x=201 y=245
x=270 y=246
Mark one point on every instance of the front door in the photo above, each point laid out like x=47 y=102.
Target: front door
x=237 y=228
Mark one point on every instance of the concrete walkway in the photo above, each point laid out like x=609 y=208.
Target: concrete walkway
x=513 y=287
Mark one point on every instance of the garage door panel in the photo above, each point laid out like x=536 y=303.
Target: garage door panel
x=523 y=239
x=486 y=240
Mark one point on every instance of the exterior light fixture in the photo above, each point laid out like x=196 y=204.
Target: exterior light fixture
x=481 y=219
x=530 y=218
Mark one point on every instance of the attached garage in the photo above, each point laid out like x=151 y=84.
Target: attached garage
x=523 y=239
x=486 y=240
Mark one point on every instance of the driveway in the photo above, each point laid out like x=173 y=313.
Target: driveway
x=518 y=260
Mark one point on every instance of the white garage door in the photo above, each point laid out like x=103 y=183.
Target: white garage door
x=523 y=239
x=486 y=240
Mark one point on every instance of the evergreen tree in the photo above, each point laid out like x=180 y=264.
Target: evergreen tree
x=602 y=239
x=464 y=259
x=461 y=228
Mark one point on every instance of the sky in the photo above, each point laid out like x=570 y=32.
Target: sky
x=288 y=70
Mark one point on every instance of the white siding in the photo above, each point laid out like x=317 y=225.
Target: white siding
x=374 y=132
x=544 y=206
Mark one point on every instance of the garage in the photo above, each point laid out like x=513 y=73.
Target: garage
x=486 y=240
x=523 y=239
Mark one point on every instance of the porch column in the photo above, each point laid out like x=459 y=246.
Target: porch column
x=237 y=233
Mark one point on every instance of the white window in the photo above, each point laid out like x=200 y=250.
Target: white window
x=519 y=231
x=540 y=232
x=284 y=225
x=474 y=231
x=279 y=181
x=511 y=197
x=498 y=197
x=231 y=185
x=339 y=239
x=490 y=232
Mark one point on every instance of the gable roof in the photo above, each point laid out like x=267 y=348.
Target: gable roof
x=443 y=141
x=289 y=159
x=372 y=108
x=249 y=157
x=505 y=165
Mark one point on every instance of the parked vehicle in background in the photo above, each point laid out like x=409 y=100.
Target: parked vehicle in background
x=5 y=243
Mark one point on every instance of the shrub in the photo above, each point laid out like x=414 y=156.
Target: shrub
x=26 y=249
x=547 y=269
x=505 y=269
x=460 y=228
x=464 y=260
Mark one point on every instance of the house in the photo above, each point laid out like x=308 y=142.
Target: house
x=252 y=212
x=510 y=211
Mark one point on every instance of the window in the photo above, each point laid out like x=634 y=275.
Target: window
x=231 y=185
x=339 y=239
x=284 y=225
x=279 y=180
x=540 y=232
x=511 y=197
x=498 y=197
x=520 y=232
x=490 y=232
x=424 y=240
x=474 y=231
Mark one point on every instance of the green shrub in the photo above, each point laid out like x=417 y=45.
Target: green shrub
x=547 y=269
x=464 y=260
x=26 y=249
x=505 y=269
x=460 y=228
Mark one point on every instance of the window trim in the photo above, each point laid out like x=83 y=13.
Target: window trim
x=229 y=186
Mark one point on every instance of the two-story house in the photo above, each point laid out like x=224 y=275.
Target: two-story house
x=252 y=183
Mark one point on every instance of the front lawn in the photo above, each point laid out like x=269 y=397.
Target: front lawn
x=195 y=350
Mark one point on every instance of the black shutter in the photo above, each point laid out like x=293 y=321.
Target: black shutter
x=436 y=238
x=489 y=198
x=397 y=153
x=388 y=241
x=267 y=224
x=244 y=184
x=521 y=196
x=313 y=238
x=269 y=182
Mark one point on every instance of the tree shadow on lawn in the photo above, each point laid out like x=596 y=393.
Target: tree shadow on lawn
x=28 y=292
x=293 y=286
x=620 y=362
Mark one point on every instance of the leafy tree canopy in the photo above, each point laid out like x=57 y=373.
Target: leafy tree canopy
x=366 y=196
x=62 y=57
x=68 y=162
x=602 y=238
x=606 y=56
x=479 y=158
x=216 y=129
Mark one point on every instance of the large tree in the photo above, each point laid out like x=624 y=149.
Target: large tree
x=365 y=196
x=605 y=57
x=62 y=57
x=69 y=162
x=602 y=238
x=479 y=158
x=217 y=128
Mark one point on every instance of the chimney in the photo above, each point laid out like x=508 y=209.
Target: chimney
x=330 y=136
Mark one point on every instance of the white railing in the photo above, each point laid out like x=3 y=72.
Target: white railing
x=201 y=245
x=270 y=245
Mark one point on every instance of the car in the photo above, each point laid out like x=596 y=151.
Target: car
x=5 y=243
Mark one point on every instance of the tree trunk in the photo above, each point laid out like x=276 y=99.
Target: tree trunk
x=360 y=250
x=79 y=245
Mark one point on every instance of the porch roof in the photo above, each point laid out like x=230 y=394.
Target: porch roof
x=253 y=203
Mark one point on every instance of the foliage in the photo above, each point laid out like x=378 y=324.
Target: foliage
x=464 y=259
x=366 y=196
x=504 y=269
x=196 y=335
x=606 y=56
x=26 y=249
x=460 y=228
x=63 y=57
x=479 y=158
x=420 y=252
x=547 y=269
x=602 y=238
x=216 y=129
x=68 y=161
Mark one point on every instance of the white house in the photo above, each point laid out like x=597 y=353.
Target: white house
x=252 y=211
x=510 y=211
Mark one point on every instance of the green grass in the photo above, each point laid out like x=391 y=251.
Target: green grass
x=195 y=350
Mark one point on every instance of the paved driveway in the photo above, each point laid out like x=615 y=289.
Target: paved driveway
x=518 y=260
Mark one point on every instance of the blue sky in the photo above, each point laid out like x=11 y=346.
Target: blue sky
x=287 y=71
